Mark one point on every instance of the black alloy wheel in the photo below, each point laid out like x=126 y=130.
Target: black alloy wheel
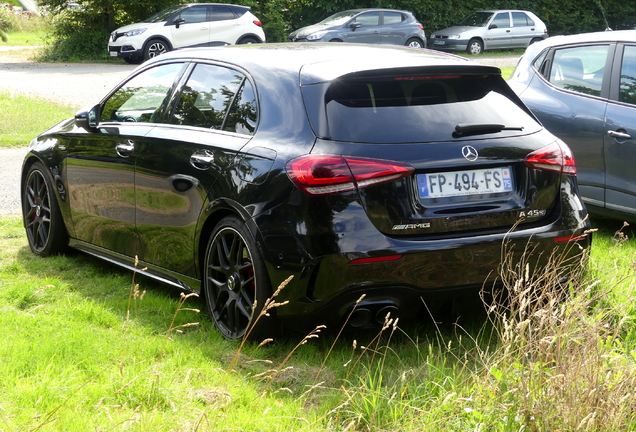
x=235 y=278
x=43 y=222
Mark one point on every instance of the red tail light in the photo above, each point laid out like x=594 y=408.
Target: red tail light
x=258 y=23
x=555 y=157
x=329 y=174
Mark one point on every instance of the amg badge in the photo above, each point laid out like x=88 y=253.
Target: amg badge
x=411 y=226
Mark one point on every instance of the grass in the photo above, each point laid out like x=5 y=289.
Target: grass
x=22 y=118
x=25 y=38
x=89 y=347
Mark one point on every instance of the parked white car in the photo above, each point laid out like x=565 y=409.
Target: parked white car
x=490 y=29
x=187 y=25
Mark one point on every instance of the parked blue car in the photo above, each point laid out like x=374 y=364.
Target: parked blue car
x=583 y=89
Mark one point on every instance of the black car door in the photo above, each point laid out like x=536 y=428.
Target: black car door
x=620 y=134
x=213 y=116
x=101 y=164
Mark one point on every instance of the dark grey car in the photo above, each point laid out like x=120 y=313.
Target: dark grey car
x=375 y=26
x=583 y=89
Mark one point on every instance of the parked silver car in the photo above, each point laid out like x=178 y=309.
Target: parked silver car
x=491 y=29
x=376 y=26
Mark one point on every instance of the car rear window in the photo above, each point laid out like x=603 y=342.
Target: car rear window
x=412 y=108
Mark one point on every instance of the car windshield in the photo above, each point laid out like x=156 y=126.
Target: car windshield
x=419 y=108
x=164 y=14
x=339 y=18
x=477 y=19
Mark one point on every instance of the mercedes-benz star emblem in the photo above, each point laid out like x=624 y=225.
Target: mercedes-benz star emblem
x=470 y=153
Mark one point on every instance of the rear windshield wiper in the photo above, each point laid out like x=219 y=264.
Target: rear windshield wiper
x=467 y=129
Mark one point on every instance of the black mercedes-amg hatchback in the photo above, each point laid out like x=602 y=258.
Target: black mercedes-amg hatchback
x=357 y=169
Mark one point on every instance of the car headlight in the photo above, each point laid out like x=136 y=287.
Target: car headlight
x=454 y=36
x=316 y=36
x=134 y=32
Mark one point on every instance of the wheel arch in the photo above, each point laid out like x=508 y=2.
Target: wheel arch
x=248 y=36
x=159 y=37
x=222 y=209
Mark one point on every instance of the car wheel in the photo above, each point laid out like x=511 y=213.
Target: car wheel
x=133 y=60
x=248 y=40
x=154 y=48
x=336 y=40
x=475 y=47
x=236 y=284
x=43 y=222
x=414 y=43
x=535 y=40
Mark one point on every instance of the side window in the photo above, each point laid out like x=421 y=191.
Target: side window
x=368 y=19
x=216 y=97
x=392 y=18
x=242 y=117
x=502 y=20
x=140 y=98
x=579 y=69
x=194 y=15
x=222 y=13
x=520 y=19
x=628 y=76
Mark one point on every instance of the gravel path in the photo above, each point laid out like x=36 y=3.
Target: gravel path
x=76 y=85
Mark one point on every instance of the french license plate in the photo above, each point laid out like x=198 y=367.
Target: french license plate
x=439 y=42
x=113 y=53
x=459 y=183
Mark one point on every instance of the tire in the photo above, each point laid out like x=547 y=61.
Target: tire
x=248 y=40
x=154 y=48
x=133 y=60
x=336 y=40
x=535 y=40
x=414 y=43
x=41 y=214
x=475 y=47
x=234 y=279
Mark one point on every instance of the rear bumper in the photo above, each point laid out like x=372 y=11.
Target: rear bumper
x=326 y=286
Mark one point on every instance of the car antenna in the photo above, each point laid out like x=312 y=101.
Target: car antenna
x=607 y=27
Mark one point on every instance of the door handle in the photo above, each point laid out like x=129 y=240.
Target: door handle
x=619 y=135
x=125 y=149
x=202 y=159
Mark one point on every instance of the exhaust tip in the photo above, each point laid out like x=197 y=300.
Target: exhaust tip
x=381 y=315
x=360 y=318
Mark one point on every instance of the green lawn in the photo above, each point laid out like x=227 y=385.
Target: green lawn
x=87 y=346
x=22 y=118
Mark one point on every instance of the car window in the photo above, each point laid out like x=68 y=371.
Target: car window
x=414 y=108
x=139 y=99
x=222 y=13
x=194 y=15
x=393 y=18
x=520 y=19
x=502 y=20
x=210 y=93
x=477 y=19
x=579 y=69
x=369 y=19
x=628 y=76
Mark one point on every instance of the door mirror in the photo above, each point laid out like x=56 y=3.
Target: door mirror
x=88 y=119
x=492 y=26
x=178 y=22
x=355 y=25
